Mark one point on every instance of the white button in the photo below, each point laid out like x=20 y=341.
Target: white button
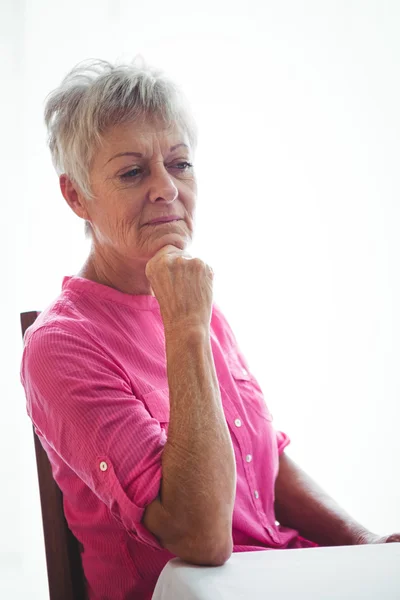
x=256 y=493
x=103 y=466
x=244 y=371
x=249 y=458
x=238 y=422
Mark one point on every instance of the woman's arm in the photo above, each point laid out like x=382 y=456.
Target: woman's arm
x=301 y=504
x=193 y=516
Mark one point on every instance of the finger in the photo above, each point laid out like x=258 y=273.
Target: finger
x=171 y=249
x=395 y=537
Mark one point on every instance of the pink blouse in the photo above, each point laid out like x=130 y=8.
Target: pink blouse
x=94 y=373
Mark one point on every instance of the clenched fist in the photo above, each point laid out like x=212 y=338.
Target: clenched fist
x=183 y=287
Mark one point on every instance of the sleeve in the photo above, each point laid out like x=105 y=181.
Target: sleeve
x=82 y=403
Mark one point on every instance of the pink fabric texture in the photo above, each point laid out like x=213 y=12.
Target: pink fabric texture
x=94 y=373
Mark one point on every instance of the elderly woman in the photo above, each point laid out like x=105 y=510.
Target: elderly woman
x=157 y=432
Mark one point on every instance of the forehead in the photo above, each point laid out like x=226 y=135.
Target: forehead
x=146 y=138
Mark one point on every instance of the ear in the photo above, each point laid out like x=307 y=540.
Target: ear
x=74 y=197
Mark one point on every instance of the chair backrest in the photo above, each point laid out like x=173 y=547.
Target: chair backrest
x=64 y=566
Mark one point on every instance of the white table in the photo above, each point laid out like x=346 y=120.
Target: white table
x=339 y=573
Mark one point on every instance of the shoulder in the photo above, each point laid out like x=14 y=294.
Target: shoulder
x=60 y=322
x=58 y=337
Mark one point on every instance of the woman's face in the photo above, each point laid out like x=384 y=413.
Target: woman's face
x=140 y=173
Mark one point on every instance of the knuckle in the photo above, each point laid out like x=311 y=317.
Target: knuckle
x=198 y=263
x=180 y=260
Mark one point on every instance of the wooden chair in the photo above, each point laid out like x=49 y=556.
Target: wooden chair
x=64 y=567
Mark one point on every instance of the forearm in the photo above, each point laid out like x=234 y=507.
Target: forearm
x=301 y=504
x=198 y=463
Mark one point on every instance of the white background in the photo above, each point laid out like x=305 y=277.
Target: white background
x=297 y=104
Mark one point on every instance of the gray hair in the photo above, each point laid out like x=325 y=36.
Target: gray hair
x=96 y=95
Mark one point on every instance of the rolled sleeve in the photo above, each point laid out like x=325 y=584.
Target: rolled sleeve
x=81 y=401
x=282 y=440
x=121 y=506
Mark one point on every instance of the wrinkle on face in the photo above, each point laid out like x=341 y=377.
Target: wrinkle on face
x=121 y=207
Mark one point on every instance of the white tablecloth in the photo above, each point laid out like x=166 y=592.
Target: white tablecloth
x=339 y=573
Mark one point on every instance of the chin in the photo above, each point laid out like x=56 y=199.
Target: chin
x=172 y=239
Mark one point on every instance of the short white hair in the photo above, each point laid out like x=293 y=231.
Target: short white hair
x=96 y=95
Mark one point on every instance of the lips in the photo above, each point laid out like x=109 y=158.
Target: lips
x=163 y=220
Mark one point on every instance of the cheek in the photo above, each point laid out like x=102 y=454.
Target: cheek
x=189 y=199
x=123 y=213
x=118 y=222
x=128 y=223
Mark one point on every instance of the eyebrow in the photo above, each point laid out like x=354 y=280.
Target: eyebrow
x=140 y=155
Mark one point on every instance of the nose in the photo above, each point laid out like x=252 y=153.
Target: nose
x=162 y=187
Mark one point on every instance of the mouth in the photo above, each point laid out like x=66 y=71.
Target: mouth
x=163 y=222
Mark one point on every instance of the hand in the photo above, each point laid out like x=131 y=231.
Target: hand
x=373 y=538
x=183 y=287
x=387 y=539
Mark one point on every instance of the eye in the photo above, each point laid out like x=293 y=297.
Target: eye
x=133 y=173
x=183 y=166
x=130 y=174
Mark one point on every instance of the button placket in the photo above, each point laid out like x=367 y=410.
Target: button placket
x=244 y=443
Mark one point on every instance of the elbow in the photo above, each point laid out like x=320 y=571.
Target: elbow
x=223 y=555
x=213 y=552
x=196 y=541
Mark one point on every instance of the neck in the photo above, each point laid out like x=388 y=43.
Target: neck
x=125 y=275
